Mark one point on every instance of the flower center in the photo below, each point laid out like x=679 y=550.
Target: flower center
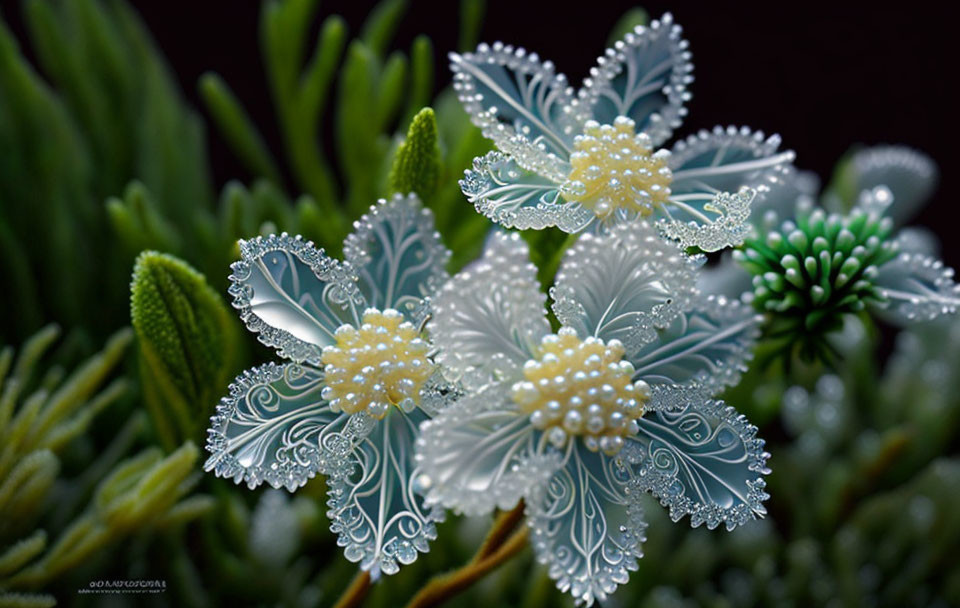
x=382 y=363
x=581 y=387
x=614 y=167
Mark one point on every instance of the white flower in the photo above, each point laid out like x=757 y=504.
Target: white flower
x=359 y=383
x=581 y=422
x=593 y=159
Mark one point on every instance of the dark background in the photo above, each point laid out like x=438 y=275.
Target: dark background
x=823 y=75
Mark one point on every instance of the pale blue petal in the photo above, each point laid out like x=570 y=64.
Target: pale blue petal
x=274 y=427
x=918 y=287
x=644 y=77
x=708 y=345
x=703 y=460
x=293 y=295
x=379 y=519
x=488 y=319
x=585 y=528
x=623 y=285
x=397 y=254
x=482 y=453
x=519 y=103
x=514 y=197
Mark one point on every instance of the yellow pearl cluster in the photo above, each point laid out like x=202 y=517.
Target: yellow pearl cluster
x=382 y=363
x=614 y=167
x=581 y=387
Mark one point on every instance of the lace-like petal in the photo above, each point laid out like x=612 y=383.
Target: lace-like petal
x=292 y=294
x=709 y=224
x=513 y=197
x=379 y=519
x=702 y=460
x=919 y=287
x=708 y=345
x=519 y=103
x=623 y=284
x=585 y=527
x=488 y=319
x=397 y=254
x=644 y=77
x=272 y=427
x=909 y=174
x=481 y=454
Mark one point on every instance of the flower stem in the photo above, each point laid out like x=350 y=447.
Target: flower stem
x=499 y=546
x=354 y=595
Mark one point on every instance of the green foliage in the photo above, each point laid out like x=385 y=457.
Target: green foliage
x=41 y=415
x=416 y=166
x=188 y=342
x=112 y=113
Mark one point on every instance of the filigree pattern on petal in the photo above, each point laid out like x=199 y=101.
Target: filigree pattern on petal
x=709 y=224
x=379 y=519
x=708 y=345
x=513 y=197
x=919 y=287
x=725 y=160
x=623 y=285
x=397 y=254
x=584 y=527
x=703 y=460
x=272 y=427
x=644 y=77
x=482 y=453
x=519 y=103
x=488 y=319
x=292 y=295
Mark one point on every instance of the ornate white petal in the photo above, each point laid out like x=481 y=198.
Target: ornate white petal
x=519 y=103
x=293 y=295
x=791 y=191
x=380 y=520
x=513 y=197
x=919 y=287
x=585 y=527
x=644 y=77
x=725 y=278
x=725 y=160
x=709 y=224
x=702 y=460
x=708 y=345
x=397 y=254
x=909 y=174
x=623 y=284
x=274 y=427
x=489 y=318
x=482 y=453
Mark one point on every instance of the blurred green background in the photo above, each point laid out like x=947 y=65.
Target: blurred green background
x=117 y=358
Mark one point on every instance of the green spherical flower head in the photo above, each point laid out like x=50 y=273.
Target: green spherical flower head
x=815 y=270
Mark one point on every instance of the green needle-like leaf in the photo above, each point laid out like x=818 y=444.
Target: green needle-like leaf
x=417 y=165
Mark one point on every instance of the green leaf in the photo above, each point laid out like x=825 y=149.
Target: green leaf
x=417 y=165
x=188 y=342
x=471 y=19
x=237 y=128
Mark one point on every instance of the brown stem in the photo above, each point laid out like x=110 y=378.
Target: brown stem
x=498 y=547
x=354 y=595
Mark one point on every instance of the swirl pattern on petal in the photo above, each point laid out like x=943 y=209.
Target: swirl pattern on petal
x=273 y=426
x=585 y=527
x=397 y=255
x=378 y=517
x=703 y=460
